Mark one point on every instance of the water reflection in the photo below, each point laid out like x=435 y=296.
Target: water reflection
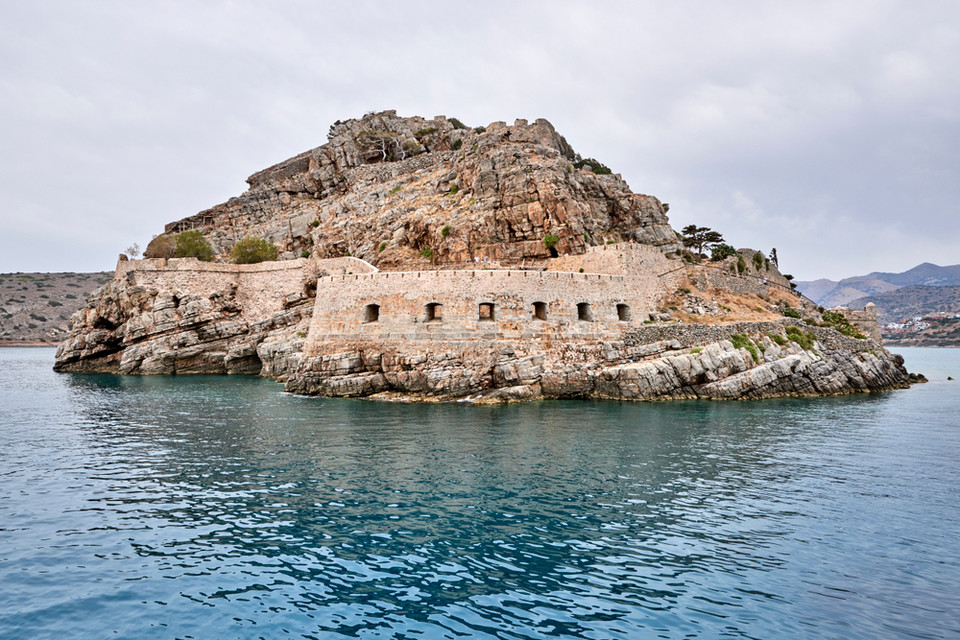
x=222 y=503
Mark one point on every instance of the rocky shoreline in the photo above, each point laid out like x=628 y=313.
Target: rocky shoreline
x=671 y=368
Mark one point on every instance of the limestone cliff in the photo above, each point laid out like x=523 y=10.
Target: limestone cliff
x=386 y=188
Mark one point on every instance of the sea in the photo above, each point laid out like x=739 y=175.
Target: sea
x=222 y=507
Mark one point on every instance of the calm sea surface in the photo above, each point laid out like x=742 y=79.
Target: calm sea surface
x=220 y=507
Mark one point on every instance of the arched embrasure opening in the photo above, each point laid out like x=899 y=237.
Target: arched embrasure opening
x=539 y=310
x=584 y=312
x=486 y=313
x=623 y=313
x=433 y=312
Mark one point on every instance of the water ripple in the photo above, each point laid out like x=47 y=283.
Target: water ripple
x=221 y=507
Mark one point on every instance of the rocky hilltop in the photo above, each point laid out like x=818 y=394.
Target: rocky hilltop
x=386 y=189
x=423 y=259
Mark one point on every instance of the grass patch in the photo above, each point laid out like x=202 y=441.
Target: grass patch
x=741 y=341
x=805 y=340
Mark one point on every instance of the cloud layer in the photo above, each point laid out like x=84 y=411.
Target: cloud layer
x=828 y=130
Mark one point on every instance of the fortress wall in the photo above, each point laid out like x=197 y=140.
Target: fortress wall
x=865 y=319
x=747 y=283
x=402 y=298
x=260 y=289
x=341 y=266
x=624 y=258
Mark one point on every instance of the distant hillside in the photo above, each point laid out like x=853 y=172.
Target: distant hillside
x=36 y=307
x=912 y=302
x=830 y=293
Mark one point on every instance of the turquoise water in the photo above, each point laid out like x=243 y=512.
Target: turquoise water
x=211 y=507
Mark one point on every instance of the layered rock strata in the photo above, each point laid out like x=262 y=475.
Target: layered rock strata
x=184 y=316
x=693 y=362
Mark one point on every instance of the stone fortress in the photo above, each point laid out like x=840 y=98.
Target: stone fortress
x=425 y=260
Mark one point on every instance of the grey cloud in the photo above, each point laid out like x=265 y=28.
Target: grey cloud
x=828 y=130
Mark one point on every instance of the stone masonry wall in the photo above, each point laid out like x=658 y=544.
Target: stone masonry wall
x=341 y=315
x=626 y=258
x=864 y=319
x=261 y=289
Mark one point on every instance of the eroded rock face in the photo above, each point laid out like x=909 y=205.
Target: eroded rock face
x=693 y=364
x=386 y=188
x=138 y=324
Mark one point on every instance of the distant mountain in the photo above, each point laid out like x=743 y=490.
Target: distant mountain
x=36 y=307
x=912 y=302
x=834 y=294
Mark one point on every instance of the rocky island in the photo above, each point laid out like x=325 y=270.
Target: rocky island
x=421 y=259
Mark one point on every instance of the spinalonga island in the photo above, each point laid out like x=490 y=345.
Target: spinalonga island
x=419 y=259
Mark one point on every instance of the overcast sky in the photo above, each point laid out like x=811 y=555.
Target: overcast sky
x=830 y=130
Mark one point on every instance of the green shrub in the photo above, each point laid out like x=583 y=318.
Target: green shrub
x=758 y=261
x=446 y=230
x=192 y=244
x=805 y=340
x=790 y=312
x=595 y=165
x=697 y=350
x=456 y=123
x=383 y=245
x=839 y=322
x=550 y=240
x=453 y=189
x=479 y=129
x=419 y=133
x=457 y=144
x=315 y=223
x=741 y=265
x=426 y=253
x=722 y=251
x=581 y=269
x=252 y=250
x=741 y=341
x=305 y=253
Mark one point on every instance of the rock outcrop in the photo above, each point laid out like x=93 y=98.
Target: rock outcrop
x=183 y=316
x=386 y=188
x=697 y=361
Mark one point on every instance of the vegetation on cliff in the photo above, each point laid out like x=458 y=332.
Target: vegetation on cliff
x=253 y=250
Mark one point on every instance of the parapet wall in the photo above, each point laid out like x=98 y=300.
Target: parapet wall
x=625 y=258
x=260 y=290
x=394 y=307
